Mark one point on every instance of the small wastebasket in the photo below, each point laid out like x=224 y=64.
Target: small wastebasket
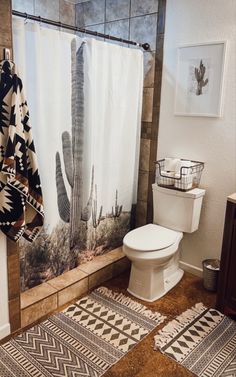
x=211 y=268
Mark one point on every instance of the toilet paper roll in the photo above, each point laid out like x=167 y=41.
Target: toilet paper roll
x=185 y=165
x=166 y=178
x=185 y=183
x=170 y=164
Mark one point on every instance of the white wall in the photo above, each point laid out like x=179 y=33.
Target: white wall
x=212 y=140
x=4 y=315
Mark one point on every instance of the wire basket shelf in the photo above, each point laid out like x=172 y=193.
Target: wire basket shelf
x=187 y=178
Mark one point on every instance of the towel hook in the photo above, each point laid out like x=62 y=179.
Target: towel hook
x=7 y=54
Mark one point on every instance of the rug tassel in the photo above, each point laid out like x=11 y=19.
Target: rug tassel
x=175 y=326
x=131 y=304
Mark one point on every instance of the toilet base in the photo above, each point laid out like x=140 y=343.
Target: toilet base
x=144 y=289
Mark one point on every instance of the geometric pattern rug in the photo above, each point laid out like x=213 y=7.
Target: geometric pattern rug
x=202 y=340
x=84 y=340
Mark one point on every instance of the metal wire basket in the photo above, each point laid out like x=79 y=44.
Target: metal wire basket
x=186 y=179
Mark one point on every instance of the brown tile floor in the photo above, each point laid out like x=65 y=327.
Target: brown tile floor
x=143 y=361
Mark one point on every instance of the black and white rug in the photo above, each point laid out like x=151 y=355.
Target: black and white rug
x=202 y=340
x=84 y=340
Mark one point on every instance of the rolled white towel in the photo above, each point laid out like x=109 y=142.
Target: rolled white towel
x=166 y=178
x=170 y=164
x=183 y=164
x=185 y=183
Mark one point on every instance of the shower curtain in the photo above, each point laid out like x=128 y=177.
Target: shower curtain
x=85 y=101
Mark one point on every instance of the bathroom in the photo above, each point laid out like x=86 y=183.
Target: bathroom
x=165 y=25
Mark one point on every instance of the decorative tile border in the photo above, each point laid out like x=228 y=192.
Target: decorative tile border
x=52 y=295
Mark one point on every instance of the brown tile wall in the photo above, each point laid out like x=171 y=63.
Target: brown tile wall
x=150 y=123
x=141 y=20
x=53 y=295
x=13 y=266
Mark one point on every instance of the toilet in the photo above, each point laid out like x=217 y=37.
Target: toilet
x=153 y=249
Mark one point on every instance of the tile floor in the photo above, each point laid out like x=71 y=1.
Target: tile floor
x=143 y=361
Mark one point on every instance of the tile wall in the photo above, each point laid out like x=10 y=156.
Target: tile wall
x=141 y=21
x=56 y=10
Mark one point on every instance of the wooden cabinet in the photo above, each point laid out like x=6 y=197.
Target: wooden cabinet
x=226 y=295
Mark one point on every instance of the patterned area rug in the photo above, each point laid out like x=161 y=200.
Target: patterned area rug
x=83 y=340
x=202 y=340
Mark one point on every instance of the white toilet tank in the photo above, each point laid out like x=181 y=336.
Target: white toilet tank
x=177 y=210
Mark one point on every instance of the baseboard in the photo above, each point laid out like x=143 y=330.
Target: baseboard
x=5 y=330
x=190 y=268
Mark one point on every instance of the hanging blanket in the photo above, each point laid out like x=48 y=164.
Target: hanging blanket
x=21 y=205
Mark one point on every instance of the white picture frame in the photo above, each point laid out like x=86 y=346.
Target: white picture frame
x=199 y=79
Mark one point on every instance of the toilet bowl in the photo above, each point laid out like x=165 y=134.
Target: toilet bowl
x=153 y=249
x=150 y=249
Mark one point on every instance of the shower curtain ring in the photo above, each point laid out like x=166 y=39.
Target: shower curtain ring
x=26 y=18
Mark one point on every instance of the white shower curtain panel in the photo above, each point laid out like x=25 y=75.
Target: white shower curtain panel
x=112 y=98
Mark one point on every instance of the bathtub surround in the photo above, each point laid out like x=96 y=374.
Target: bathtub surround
x=87 y=338
x=45 y=298
x=64 y=13
x=88 y=205
x=202 y=340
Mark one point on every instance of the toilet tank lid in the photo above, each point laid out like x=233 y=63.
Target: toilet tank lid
x=191 y=194
x=151 y=237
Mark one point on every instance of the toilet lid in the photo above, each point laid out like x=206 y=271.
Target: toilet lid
x=150 y=237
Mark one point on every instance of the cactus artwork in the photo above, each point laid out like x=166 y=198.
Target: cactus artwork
x=71 y=210
x=199 y=75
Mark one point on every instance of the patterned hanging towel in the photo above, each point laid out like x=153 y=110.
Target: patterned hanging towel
x=21 y=204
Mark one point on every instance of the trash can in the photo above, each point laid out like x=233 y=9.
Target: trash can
x=211 y=268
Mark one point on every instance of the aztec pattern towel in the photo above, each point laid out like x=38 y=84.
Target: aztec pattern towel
x=84 y=340
x=21 y=205
x=202 y=340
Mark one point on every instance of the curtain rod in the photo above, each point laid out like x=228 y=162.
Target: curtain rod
x=27 y=16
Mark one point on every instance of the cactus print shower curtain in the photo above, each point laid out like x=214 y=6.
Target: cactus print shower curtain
x=85 y=102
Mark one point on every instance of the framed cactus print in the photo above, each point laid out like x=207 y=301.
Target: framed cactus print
x=199 y=79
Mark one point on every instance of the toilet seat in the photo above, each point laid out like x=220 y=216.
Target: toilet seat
x=151 y=237
x=153 y=251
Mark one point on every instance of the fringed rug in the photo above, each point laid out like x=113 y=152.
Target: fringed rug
x=202 y=340
x=83 y=340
